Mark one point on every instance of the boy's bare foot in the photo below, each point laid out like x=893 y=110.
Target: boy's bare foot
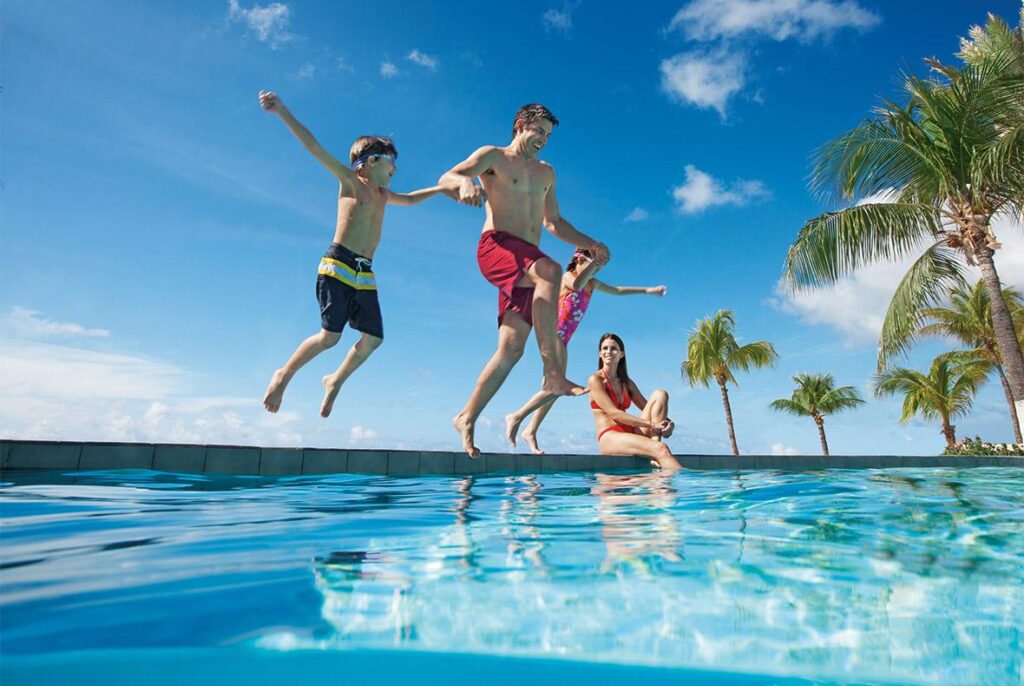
x=275 y=391
x=557 y=384
x=531 y=440
x=512 y=427
x=331 y=388
x=465 y=429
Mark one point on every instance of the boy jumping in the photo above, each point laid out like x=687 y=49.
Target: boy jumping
x=345 y=285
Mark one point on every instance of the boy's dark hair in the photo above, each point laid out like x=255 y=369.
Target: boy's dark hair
x=528 y=114
x=371 y=145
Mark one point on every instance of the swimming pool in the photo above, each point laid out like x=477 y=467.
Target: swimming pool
x=901 y=575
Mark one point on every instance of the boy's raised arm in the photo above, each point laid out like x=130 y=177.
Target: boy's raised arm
x=460 y=177
x=560 y=227
x=271 y=103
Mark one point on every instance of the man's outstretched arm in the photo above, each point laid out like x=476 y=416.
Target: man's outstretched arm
x=271 y=103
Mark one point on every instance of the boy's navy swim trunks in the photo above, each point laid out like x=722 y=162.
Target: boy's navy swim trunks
x=347 y=292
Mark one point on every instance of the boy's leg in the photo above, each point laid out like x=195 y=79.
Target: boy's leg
x=544 y=275
x=307 y=350
x=512 y=335
x=357 y=354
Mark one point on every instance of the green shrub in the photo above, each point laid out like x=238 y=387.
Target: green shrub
x=976 y=446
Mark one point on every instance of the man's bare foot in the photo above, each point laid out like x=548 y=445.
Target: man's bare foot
x=331 y=388
x=531 y=440
x=512 y=427
x=559 y=385
x=275 y=391
x=465 y=429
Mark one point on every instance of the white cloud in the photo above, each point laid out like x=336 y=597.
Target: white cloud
x=782 y=449
x=705 y=79
x=360 y=434
x=856 y=304
x=65 y=392
x=638 y=214
x=342 y=65
x=306 y=71
x=558 y=20
x=701 y=191
x=422 y=59
x=387 y=70
x=26 y=323
x=269 y=23
x=803 y=20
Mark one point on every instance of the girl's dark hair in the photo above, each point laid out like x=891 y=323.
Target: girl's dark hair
x=622 y=374
x=574 y=260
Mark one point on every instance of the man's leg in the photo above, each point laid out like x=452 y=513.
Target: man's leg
x=357 y=354
x=512 y=335
x=541 y=402
x=544 y=276
x=307 y=350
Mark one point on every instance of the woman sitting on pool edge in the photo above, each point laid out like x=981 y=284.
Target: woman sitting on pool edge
x=611 y=392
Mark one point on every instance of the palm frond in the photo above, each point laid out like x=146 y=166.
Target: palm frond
x=924 y=285
x=837 y=243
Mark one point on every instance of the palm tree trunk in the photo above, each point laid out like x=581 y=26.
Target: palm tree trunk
x=1006 y=337
x=728 y=417
x=820 y=422
x=1009 y=399
x=949 y=432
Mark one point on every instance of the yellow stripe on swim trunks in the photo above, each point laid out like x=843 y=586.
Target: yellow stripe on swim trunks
x=363 y=281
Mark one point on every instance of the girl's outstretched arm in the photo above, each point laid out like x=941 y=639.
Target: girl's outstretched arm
x=629 y=290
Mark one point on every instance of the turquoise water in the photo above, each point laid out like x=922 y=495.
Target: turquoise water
x=894 y=576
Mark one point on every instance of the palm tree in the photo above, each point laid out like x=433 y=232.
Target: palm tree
x=946 y=392
x=968 y=320
x=928 y=179
x=713 y=353
x=816 y=396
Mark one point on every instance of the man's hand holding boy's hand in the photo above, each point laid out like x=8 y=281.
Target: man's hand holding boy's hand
x=270 y=102
x=470 y=194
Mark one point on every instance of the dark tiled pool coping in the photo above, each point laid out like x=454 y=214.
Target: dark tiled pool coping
x=232 y=459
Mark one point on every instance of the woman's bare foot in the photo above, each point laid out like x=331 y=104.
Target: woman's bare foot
x=465 y=429
x=531 y=440
x=558 y=385
x=275 y=391
x=331 y=388
x=512 y=427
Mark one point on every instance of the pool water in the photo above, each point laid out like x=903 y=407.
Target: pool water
x=866 y=576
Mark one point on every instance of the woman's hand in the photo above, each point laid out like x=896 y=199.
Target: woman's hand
x=664 y=428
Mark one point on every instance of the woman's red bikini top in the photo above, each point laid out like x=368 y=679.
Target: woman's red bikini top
x=620 y=404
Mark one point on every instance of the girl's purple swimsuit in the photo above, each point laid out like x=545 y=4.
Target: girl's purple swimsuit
x=572 y=305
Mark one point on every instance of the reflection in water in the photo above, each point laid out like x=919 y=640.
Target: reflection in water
x=913 y=575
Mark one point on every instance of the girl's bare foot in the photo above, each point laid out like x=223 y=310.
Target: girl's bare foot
x=275 y=391
x=465 y=429
x=331 y=388
x=531 y=440
x=512 y=427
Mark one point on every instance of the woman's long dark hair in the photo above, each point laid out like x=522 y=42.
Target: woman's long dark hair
x=621 y=373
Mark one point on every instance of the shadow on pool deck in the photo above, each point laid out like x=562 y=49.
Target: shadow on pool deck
x=229 y=459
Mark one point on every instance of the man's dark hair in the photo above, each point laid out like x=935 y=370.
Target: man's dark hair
x=528 y=114
x=371 y=145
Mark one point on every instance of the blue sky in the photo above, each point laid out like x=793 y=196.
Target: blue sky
x=161 y=233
